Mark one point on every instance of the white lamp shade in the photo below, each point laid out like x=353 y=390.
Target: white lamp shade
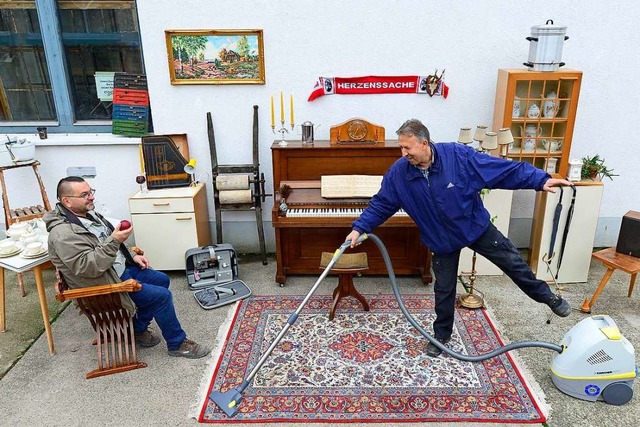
x=490 y=141
x=505 y=137
x=465 y=136
x=480 y=132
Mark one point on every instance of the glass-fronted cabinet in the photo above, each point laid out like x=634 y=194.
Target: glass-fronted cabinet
x=540 y=109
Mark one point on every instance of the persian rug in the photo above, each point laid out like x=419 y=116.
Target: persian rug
x=364 y=366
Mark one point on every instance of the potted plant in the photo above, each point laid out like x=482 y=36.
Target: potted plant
x=594 y=168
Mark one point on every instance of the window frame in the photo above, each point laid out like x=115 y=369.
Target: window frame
x=49 y=21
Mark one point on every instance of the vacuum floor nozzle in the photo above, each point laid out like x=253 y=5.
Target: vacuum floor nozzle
x=223 y=294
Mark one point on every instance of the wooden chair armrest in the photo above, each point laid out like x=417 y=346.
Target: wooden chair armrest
x=129 y=285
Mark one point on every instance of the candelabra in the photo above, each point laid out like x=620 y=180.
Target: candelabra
x=283 y=129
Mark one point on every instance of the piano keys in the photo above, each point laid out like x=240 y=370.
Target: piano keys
x=312 y=225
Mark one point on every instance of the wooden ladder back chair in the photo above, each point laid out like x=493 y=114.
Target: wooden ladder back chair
x=115 y=338
x=12 y=216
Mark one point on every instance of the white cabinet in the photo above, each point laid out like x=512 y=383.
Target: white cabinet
x=498 y=203
x=169 y=221
x=578 y=246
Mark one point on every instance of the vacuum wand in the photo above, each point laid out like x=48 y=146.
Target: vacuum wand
x=229 y=400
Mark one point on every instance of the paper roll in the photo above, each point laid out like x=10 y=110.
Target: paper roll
x=232 y=182
x=233 y=197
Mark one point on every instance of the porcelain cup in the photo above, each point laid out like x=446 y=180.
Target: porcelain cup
x=7 y=246
x=34 y=248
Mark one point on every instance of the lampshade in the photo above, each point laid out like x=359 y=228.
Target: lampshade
x=465 y=136
x=490 y=141
x=480 y=131
x=505 y=137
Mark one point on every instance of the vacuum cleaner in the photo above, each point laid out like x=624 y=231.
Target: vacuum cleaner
x=594 y=361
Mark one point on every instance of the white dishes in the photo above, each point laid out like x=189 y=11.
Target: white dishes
x=28 y=255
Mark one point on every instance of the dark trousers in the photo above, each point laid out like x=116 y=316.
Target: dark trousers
x=155 y=301
x=494 y=246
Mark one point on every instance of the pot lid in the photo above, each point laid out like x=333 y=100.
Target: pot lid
x=549 y=28
x=307 y=123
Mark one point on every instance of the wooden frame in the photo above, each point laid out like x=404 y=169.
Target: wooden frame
x=213 y=56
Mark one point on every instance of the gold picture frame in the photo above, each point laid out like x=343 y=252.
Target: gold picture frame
x=215 y=56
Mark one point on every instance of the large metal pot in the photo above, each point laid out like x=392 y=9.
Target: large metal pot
x=545 y=47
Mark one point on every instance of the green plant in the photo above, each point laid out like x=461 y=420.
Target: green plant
x=594 y=167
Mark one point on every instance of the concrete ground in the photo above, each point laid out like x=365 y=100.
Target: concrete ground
x=41 y=389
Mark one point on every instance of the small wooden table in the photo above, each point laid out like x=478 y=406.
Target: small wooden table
x=614 y=260
x=20 y=265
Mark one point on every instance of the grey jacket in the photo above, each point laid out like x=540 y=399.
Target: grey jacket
x=79 y=256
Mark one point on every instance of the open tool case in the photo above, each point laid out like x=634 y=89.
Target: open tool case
x=212 y=273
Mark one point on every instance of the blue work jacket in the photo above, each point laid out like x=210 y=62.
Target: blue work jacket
x=446 y=206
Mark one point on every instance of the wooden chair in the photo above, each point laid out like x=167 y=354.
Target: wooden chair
x=346 y=267
x=12 y=216
x=613 y=260
x=115 y=337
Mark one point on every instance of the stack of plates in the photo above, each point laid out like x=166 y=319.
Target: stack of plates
x=43 y=252
x=12 y=253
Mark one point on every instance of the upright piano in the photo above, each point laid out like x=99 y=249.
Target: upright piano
x=311 y=225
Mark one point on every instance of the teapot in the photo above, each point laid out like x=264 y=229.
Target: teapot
x=550 y=105
x=307 y=132
x=551 y=144
x=15 y=231
x=533 y=112
x=528 y=144
x=531 y=131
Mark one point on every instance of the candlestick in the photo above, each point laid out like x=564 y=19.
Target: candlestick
x=291 y=99
x=141 y=160
x=281 y=107
x=273 y=114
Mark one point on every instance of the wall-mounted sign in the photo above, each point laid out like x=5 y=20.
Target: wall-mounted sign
x=431 y=85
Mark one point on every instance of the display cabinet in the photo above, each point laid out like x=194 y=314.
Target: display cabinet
x=540 y=109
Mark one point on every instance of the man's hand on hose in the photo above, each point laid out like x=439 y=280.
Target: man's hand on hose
x=352 y=237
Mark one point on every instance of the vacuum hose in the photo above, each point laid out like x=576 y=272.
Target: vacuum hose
x=459 y=356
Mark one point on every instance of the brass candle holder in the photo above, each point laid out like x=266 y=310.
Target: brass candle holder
x=471 y=299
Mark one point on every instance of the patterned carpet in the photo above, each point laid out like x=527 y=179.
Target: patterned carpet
x=364 y=366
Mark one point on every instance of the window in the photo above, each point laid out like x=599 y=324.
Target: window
x=65 y=82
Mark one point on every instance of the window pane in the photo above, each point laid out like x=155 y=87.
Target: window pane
x=98 y=36
x=25 y=89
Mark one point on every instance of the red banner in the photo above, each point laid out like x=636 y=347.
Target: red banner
x=431 y=85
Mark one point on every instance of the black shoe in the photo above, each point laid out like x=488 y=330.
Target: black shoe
x=434 y=351
x=559 y=306
x=147 y=339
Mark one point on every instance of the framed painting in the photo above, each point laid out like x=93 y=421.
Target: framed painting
x=215 y=56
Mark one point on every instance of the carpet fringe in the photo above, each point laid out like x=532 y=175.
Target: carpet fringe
x=528 y=378
x=205 y=380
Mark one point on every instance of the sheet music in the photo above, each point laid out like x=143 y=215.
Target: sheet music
x=344 y=186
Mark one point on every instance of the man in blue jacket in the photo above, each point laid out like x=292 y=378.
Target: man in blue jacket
x=439 y=185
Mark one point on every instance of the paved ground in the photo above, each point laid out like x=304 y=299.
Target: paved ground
x=51 y=390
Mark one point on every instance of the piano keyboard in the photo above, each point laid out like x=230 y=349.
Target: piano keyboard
x=332 y=213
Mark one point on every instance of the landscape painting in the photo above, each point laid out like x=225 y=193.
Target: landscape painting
x=215 y=56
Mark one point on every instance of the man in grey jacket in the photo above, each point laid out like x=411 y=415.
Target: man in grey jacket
x=88 y=250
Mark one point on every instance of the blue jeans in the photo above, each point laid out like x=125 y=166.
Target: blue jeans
x=494 y=246
x=155 y=301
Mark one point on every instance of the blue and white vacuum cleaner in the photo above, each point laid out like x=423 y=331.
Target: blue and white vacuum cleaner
x=597 y=362
x=594 y=362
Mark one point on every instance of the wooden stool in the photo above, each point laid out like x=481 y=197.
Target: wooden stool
x=346 y=267
x=613 y=260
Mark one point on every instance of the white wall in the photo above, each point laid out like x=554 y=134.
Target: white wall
x=306 y=39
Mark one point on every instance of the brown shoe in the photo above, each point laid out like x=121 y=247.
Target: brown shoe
x=147 y=339
x=190 y=350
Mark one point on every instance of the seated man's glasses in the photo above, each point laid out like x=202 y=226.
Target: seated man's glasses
x=85 y=195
